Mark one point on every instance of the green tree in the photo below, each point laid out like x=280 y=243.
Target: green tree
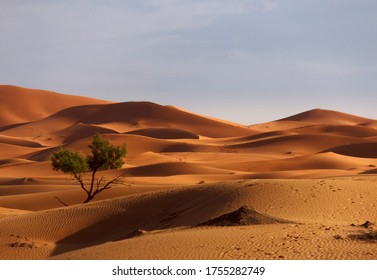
x=103 y=156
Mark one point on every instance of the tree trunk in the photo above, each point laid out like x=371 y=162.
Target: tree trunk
x=89 y=198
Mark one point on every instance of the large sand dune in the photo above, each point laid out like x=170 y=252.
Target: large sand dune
x=21 y=105
x=195 y=187
x=320 y=116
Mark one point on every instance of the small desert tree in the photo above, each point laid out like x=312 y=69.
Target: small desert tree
x=103 y=156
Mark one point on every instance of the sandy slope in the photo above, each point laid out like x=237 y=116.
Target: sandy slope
x=320 y=116
x=128 y=116
x=315 y=169
x=277 y=242
x=118 y=228
x=36 y=104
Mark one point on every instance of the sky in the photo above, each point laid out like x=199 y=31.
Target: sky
x=246 y=61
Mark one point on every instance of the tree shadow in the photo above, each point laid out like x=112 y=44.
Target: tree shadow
x=93 y=235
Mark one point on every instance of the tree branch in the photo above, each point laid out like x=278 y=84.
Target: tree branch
x=79 y=179
x=99 y=181
x=107 y=185
x=92 y=182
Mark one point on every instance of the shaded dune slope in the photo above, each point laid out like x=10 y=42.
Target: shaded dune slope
x=340 y=130
x=361 y=150
x=173 y=168
x=310 y=162
x=114 y=219
x=17 y=141
x=300 y=143
x=165 y=133
x=80 y=131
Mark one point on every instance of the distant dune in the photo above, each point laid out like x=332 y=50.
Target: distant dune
x=320 y=116
x=165 y=133
x=22 y=105
x=195 y=187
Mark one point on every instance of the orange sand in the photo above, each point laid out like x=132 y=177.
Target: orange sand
x=316 y=169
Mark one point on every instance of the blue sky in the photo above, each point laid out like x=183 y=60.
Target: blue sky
x=247 y=61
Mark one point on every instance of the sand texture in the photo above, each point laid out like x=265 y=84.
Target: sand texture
x=195 y=187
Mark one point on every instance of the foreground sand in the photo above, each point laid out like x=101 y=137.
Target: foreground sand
x=297 y=188
x=314 y=219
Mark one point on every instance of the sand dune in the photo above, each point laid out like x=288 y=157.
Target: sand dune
x=320 y=116
x=298 y=143
x=165 y=133
x=300 y=164
x=9 y=151
x=36 y=104
x=310 y=162
x=6 y=212
x=372 y=123
x=27 y=169
x=45 y=128
x=174 y=168
x=173 y=214
x=135 y=144
x=14 y=161
x=323 y=234
x=96 y=223
x=195 y=187
x=275 y=242
x=130 y=116
x=280 y=125
x=19 y=142
x=79 y=131
x=344 y=130
x=360 y=150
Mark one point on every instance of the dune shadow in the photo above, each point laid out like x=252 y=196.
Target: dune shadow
x=101 y=232
x=370 y=237
x=10 y=126
x=93 y=235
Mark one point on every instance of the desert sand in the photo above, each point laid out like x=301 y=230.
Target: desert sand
x=195 y=187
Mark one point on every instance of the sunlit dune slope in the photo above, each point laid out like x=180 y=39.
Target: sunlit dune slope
x=321 y=116
x=21 y=105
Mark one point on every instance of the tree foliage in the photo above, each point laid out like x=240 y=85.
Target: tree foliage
x=103 y=156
